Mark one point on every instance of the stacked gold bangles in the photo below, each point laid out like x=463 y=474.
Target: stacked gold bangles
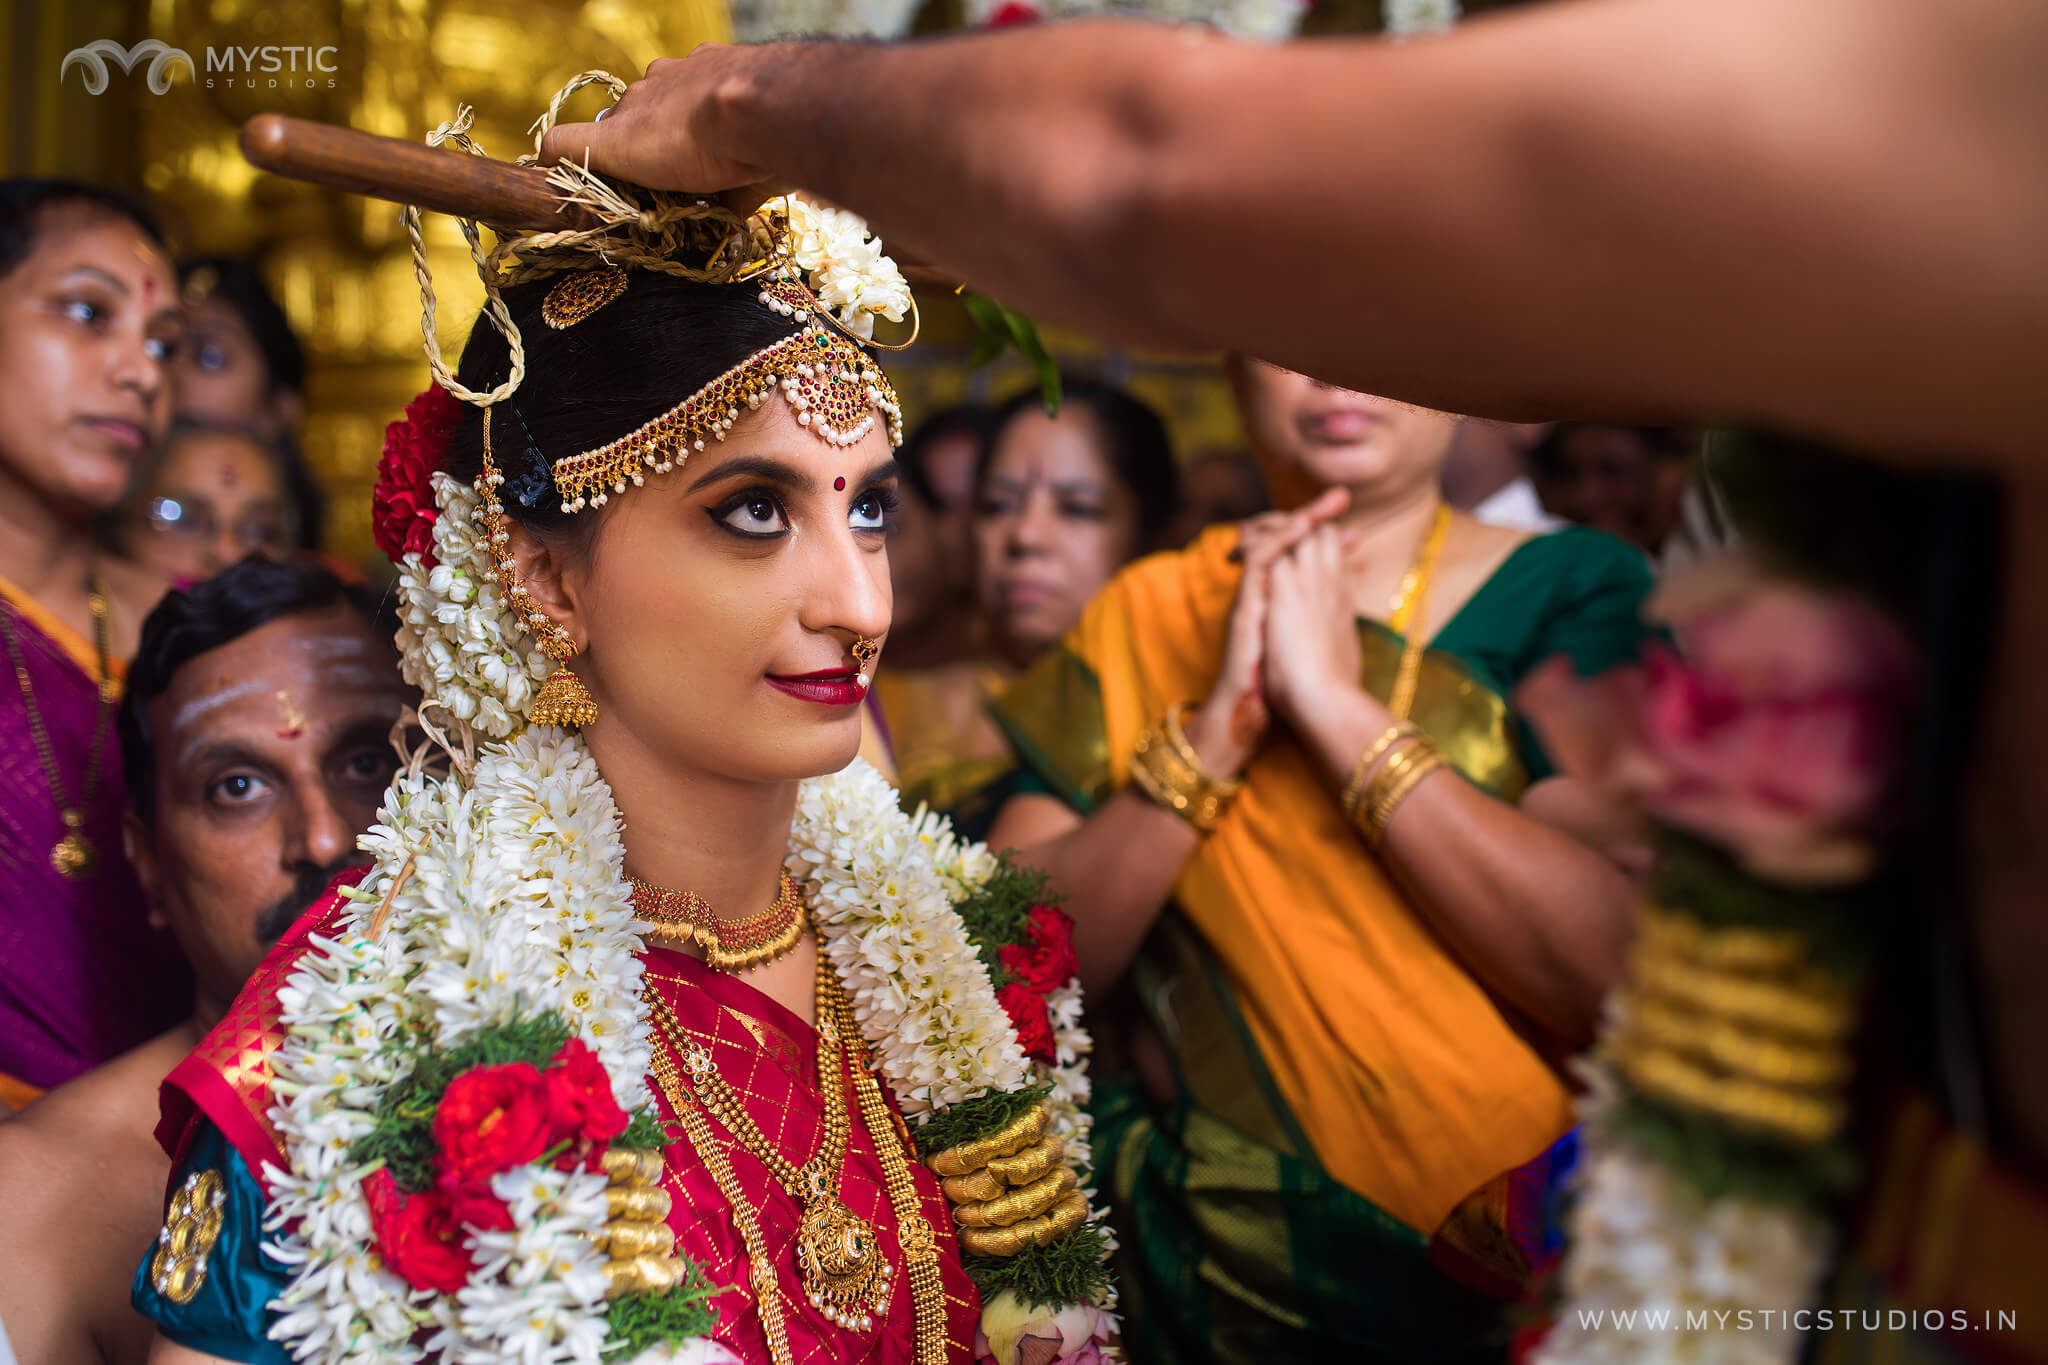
x=1169 y=771
x=1404 y=757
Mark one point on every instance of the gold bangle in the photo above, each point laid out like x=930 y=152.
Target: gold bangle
x=1404 y=751
x=1388 y=801
x=1178 y=738
x=1348 y=802
x=1167 y=769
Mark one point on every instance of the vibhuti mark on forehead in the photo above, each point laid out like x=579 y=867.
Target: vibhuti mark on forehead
x=212 y=701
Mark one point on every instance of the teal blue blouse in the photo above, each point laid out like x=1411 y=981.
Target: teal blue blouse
x=228 y=1314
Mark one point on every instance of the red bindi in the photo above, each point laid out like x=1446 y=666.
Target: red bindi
x=839 y=484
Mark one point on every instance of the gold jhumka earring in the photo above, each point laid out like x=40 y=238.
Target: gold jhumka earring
x=563 y=699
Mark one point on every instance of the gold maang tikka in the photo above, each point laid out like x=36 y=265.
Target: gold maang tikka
x=834 y=387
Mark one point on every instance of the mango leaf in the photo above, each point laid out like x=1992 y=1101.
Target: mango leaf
x=998 y=329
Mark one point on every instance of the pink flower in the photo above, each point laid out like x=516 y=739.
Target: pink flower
x=1777 y=731
x=1013 y=1333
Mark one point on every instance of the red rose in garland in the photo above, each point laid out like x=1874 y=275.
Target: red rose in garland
x=491 y=1119
x=1045 y=960
x=476 y=1205
x=418 y=1236
x=402 y=511
x=581 y=1109
x=1026 y=1009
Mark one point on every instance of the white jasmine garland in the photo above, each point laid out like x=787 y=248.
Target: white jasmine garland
x=508 y=898
x=1657 y=1272
x=456 y=641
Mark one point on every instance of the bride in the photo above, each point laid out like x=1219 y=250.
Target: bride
x=632 y=1042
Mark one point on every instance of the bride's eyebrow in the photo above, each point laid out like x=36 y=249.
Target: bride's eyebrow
x=778 y=472
x=881 y=473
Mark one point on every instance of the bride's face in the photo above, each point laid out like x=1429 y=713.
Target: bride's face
x=717 y=605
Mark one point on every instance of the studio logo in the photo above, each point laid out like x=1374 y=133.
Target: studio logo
x=230 y=68
x=94 y=56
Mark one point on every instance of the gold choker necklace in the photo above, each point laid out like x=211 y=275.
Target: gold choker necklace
x=682 y=919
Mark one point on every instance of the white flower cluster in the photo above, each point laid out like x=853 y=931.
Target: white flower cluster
x=760 y=21
x=1644 y=1240
x=842 y=263
x=507 y=899
x=1413 y=18
x=1261 y=21
x=885 y=919
x=457 y=643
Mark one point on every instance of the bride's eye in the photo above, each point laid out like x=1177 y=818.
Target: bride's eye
x=871 y=510
x=752 y=514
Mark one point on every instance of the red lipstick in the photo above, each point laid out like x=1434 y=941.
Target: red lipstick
x=828 y=687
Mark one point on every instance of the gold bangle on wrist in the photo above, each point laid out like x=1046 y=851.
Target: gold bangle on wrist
x=1354 y=789
x=1389 y=798
x=1167 y=769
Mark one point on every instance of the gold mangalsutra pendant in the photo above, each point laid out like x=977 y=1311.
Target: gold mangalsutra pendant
x=73 y=857
x=845 y=1275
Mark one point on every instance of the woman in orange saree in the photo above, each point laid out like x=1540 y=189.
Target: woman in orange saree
x=1342 y=1015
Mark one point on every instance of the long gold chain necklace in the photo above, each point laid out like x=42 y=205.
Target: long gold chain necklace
x=73 y=856
x=839 y=1258
x=683 y=919
x=1404 y=613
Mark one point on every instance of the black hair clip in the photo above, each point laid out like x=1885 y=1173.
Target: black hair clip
x=529 y=483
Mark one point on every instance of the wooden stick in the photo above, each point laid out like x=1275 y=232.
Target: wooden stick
x=443 y=179
x=437 y=178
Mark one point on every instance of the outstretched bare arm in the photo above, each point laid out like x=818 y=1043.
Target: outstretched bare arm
x=1827 y=216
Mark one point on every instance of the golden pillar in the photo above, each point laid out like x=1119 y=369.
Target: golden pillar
x=339 y=264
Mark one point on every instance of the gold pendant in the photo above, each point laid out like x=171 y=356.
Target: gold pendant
x=73 y=857
x=844 y=1272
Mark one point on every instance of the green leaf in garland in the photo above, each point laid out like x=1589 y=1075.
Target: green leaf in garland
x=403 y=1138
x=637 y=1322
x=644 y=1130
x=1071 y=1270
x=999 y=913
x=976 y=1118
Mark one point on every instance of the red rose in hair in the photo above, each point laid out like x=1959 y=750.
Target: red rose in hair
x=1026 y=1009
x=402 y=511
x=581 y=1109
x=418 y=1236
x=1013 y=12
x=491 y=1119
x=1045 y=960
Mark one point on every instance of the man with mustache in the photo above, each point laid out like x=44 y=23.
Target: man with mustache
x=256 y=737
